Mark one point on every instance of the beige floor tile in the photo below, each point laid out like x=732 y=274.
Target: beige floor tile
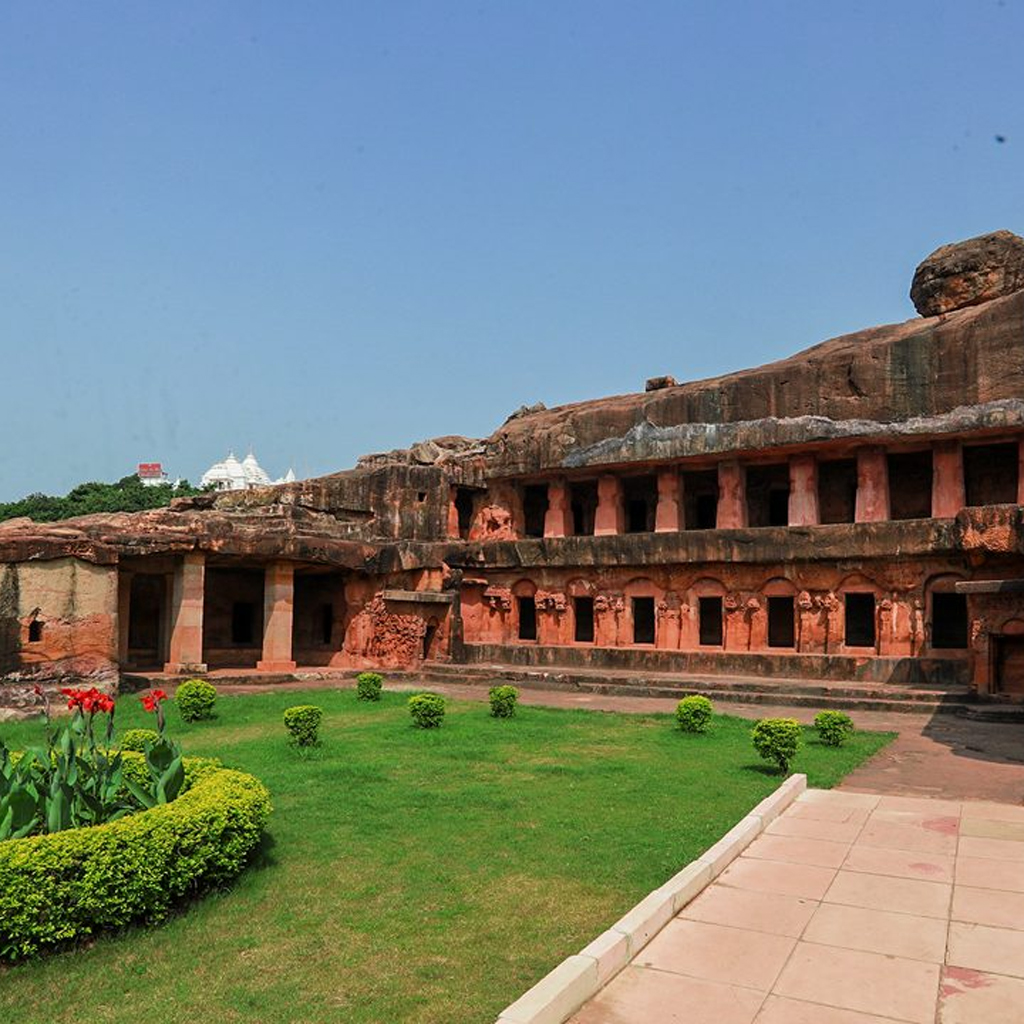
x=757 y=911
x=868 y=982
x=875 y=860
x=639 y=996
x=988 y=906
x=899 y=895
x=877 y=931
x=920 y=804
x=798 y=850
x=947 y=823
x=991 y=811
x=733 y=956
x=773 y=876
x=992 y=849
x=780 y=1010
x=981 y=948
x=988 y=828
x=985 y=873
x=973 y=997
x=839 y=798
x=812 y=828
x=916 y=838
x=818 y=811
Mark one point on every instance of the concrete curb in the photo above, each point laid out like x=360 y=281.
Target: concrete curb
x=558 y=995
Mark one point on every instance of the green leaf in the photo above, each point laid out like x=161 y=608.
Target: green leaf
x=145 y=798
x=170 y=782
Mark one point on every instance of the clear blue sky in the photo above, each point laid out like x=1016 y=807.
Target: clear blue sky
x=333 y=228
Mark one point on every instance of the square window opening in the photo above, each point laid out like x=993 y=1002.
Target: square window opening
x=859 y=620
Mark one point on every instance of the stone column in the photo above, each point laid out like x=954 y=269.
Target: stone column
x=558 y=518
x=278 y=596
x=453 y=514
x=947 y=479
x=668 y=517
x=610 y=516
x=872 y=486
x=803 y=491
x=185 y=649
x=732 y=496
x=124 y=604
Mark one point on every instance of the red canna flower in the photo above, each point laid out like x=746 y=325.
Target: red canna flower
x=148 y=703
x=159 y=695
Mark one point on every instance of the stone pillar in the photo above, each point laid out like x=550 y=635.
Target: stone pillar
x=872 y=486
x=453 y=514
x=124 y=604
x=610 y=516
x=947 y=479
x=732 y=496
x=278 y=596
x=668 y=517
x=803 y=491
x=558 y=518
x=185 y=649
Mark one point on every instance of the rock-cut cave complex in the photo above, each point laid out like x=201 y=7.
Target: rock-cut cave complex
x=850 y=514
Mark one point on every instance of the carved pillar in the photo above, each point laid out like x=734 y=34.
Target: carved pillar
x=668 y=517
x=803 y=491
x=278 y=599
x=558 y=518
x=947 y=479
x=185 y=649
x=872 y=486
x=124 y=604
x=732 y=496
x=610 y=516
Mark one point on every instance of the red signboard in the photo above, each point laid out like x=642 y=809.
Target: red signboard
x=150 y=469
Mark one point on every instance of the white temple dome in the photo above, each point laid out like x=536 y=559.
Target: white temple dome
x=232 y=475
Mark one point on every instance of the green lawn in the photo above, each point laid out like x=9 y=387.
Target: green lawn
x=409 y=875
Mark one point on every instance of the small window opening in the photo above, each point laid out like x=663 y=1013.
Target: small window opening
x=778 y=507
x=949 y=620
x=768 y=495
x=643 y=620
x=860 y=620
x=641 y=502
x=535 y=509
x=326 y=623
x=584 y=609
x=837 y=490
x=990 y=474
x=527 y=608
x=781 y=622
x=35 y=631
x=242 y=620
x=910 y=485
x=464 y=509
x=706 y=508
x=700 y=499
x=428 y=638
x=583 y=500
x=710 y=612
x=421 y=496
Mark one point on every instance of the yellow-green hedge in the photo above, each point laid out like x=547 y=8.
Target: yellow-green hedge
x=65 y=886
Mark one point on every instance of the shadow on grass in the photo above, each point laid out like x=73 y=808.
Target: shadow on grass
x=764 y=769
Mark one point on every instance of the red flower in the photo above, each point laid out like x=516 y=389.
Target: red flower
x=158 y=695
x=148 y=704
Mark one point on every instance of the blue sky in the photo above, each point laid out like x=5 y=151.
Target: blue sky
x=325 y=229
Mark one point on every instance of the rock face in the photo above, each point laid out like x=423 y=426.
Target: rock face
x=968 y=273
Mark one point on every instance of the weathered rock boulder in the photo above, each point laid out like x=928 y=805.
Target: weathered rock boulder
x=968 y=273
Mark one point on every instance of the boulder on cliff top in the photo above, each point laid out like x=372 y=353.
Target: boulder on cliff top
x=968 y=273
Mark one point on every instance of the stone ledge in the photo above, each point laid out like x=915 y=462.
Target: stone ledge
x=559 y=994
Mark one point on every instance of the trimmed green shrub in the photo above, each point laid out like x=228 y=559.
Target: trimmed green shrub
x=777 y=739
x=694 y=713
x=427 y=710
x=303 y=722
x=368 y=685
x=834 y=727
x=66 y=886
x=503 y=701
x=136 y=739
x=195 y=699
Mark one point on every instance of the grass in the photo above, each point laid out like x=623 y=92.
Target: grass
x=416 y=876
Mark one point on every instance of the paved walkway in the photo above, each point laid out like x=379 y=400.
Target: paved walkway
x=851 y=909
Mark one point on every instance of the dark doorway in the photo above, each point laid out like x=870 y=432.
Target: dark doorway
x=949 y=620
x=710 y=621
x=641 y=503
x=643 y=620
x=428 y=638
x=700 y=500
x=535 y=509
x=584 y=618
x=990 y=474
x=35 y=631
x=860 y=620
x=837 y=490
x=243 y=623
x=464 y=505
x=583 y=499
x=768 y=495
x=527 y=608
x=910 y=485
x=326 y=623
x=233 y=618
x=1009 y=659
x=146 y=629
x=318 y=619
x=781 y=622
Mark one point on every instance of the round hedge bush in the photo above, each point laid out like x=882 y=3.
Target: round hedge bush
x=777 y=739
x=136 y=739
x=195 y=699
x=694 y=713
x=834 y=727
x=503 y=701
x=303 y=723
x=368 y=685
x=66 y=886
x=427 y=710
